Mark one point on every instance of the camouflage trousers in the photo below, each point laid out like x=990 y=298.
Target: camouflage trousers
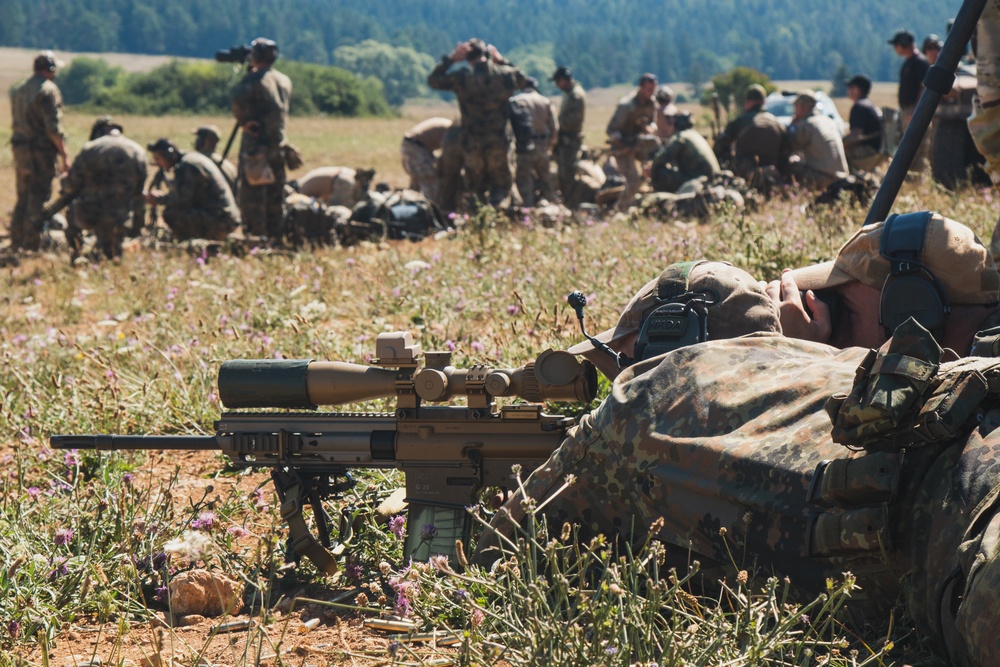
x=809 y=177
x=262 y=207
x=108 y=222
x=198 y=223
x=567 y=155
x=533 y=175
x=34 y=169
x=487 y=168
x=985 y=121
x=420 y=165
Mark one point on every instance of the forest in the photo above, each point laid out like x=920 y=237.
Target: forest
x=606 y=42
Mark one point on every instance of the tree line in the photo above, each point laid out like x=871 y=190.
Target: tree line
x=606 y=42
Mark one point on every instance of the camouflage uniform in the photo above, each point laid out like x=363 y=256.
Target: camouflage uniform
x=449 y=169
x=985 y=121
x=228 y=169
x=567 y=152
x=684 y=156
x=733 y=435
x=754 y=139
x=627 y=132
x=263 y=96
x=818 y=148
x=36 y=110
x=533 y=165
x=417 y=153
x=200 y=203
x=483 y=92
x=108 y=175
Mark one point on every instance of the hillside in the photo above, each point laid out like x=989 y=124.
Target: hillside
x=605 y=41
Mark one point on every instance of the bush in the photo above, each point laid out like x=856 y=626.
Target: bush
x=732 y=86
x=203 y=88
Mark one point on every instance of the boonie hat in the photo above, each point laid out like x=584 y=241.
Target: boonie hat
x=903 y=38
x=664 y=94
x=952 y=252
x=740 y=304
x=755 y=92
x=102 y=126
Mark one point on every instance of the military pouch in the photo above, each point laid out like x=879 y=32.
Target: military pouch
x=856 y=482
x=256 y=169
x=986 y=343
x=292 y=156
x=850 y=532
x=888 y=392
x=904 y=397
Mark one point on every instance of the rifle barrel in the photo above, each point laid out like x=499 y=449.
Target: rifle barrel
x=124 y=442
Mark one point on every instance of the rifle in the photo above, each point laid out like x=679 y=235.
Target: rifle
x=58 y=204
x=448 y=453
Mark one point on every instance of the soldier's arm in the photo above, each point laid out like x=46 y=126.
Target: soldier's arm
x=51 y=112
x=553 y=124
x=615 y=125
x=439 y=79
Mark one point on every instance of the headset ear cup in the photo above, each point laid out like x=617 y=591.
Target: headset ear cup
x=912 y=295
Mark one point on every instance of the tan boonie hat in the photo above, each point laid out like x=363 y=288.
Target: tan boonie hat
x=952 y=252
x=740 y=304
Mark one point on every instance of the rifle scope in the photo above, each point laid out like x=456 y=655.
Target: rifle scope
x=302 y=383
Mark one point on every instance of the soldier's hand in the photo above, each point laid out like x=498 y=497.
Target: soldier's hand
x=795 y=319
x=461 y=50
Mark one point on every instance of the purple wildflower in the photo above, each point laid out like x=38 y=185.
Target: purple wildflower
x=64 y=536
x=238 y=531
x=59 y=568
x=205 y=521
x=14 y=629
x=34 y=492
x=397 y=525
x=128 y=478
x=477 y=346
x=428 y=532
x=160 y=594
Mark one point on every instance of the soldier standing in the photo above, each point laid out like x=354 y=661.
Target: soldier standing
x=199 y=203
x=417 y=153
x=260 y=103
x=483 y=91
x=632 y=133
x=911 y=84
x=206 y=139
x=106 y=178
x=37 y=139
x=570 y=141
x=533 y=173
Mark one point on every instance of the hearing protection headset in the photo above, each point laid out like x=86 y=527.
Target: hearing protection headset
x=682 y=317
x=910 y=289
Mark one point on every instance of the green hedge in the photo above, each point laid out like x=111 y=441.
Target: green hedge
x=203 y=88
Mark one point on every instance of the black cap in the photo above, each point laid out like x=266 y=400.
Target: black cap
x=46 y=61
x=647 y=78
x=162 y=146
x=934 y=42
x=102 y=126
x=264 y=50
x=903 y=38
x=861 y=82
x=562 y=73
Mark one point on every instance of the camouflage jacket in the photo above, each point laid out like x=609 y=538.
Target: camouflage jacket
x=483 y=92
x=725 y=449
x=689 y=153
x=110 y=171
x=199 y=183
x=543 y=115
x=631 y=118
x=36 y=112
x=755 y=133
x=263 y=96
x=817 y=141
x=572 y=111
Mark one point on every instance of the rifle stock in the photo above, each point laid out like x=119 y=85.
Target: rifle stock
x=58 y=204
x=448 y=453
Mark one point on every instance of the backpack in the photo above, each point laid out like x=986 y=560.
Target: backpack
x=523 y=127
x=309 y=221
x=408 y=214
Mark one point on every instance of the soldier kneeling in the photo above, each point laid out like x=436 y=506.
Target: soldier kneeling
x=200 y=204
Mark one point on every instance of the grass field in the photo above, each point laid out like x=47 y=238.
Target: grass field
x=88 y=542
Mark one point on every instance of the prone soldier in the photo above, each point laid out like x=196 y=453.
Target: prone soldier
x=199 y=203
x=37 y=140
